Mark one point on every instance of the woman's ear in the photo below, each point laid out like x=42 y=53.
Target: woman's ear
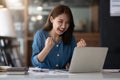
x=51 y=19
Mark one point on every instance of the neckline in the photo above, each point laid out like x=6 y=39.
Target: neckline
x=48 y=35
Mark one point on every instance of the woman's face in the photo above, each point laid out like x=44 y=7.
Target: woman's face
x=60 y=23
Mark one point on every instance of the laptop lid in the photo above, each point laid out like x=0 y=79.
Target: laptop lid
x=88 y=59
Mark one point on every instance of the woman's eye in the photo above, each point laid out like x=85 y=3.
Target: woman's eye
x=60 y=21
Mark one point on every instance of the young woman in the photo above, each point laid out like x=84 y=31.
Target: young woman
x=54 y=44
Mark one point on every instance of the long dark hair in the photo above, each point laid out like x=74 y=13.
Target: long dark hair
x=60 y=9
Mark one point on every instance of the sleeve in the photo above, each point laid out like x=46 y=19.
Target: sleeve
x=36 y=48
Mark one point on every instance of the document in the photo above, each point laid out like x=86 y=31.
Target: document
x=112 y=70
x=39 y=71
x=114 y=7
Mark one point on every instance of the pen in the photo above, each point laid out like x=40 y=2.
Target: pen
x=39 y=70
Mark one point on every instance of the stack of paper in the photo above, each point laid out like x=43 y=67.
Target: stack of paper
x=4 y=68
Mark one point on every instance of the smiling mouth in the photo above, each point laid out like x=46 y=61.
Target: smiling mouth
x=61 y=30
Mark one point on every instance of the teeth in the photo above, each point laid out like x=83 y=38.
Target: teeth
x=61 y=30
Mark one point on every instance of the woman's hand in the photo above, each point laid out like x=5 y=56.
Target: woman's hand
x=48 y=46
x=67 y=66
x=81 y=43
x=49 y=43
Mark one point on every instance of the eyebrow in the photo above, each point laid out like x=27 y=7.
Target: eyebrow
x=60 y=19
x=63 y=19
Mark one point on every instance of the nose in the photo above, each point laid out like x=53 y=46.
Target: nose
x=63 y=25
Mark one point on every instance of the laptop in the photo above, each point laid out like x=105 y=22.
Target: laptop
x=88 y=59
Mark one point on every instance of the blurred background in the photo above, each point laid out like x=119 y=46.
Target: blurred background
x=30 y=15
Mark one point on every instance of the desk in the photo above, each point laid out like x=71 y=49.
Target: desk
x=62 y=76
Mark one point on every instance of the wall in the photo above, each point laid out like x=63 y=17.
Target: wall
x=82 y=15
x=110 y=34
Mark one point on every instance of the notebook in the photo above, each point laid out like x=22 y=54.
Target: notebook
x=17 y=70
x=88 y=59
